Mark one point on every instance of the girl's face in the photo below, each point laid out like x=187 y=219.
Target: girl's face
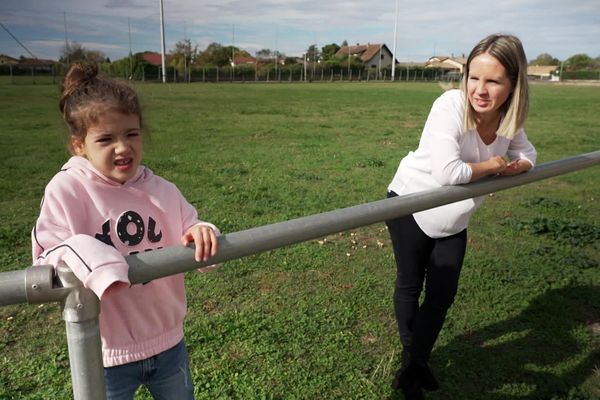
x=113 y=145
x=488 y=86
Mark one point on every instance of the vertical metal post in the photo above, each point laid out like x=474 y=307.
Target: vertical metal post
x=304 y=67
x=348 y=62
x=130 y=62
x=232 y=52
x=162 y=43
x=81 y=309
x=67 y=50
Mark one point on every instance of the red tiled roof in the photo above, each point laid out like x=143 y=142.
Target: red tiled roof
x=238 y=60
x=35 y=62
x=155 y=58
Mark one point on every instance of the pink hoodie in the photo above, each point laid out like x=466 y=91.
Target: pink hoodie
x=90 y=223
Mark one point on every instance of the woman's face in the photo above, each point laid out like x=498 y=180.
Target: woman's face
x=488 y=86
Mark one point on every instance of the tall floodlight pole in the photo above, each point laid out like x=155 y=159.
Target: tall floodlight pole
x=379 y=66
x=276 y=52
x=67 y=51
x=185 y=56
x=395 y=35
x=162 y=43
x=130 y=62
x=348 y=62
x=232 y=52
x=304 y=67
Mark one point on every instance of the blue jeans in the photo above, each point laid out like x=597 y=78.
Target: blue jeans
x=166 y=375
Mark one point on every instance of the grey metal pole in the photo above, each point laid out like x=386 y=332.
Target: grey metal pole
x=395 y=37
x=144 y=267
x=85 y=358
x=162 y=43
x=81 y=309
x=12 y=288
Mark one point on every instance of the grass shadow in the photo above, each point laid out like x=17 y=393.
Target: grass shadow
x=540 y=352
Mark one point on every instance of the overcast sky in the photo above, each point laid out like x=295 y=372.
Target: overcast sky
x=425 y=27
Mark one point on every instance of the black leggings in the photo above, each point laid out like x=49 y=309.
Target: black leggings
x=437 y=262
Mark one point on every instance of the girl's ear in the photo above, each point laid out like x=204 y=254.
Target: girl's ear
x=78 y=146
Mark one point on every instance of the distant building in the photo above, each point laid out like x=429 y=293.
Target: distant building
x=6 y=60
x=448 y=64
x=37 y=63
x=372 y=55
x=155 y=59
x=544 y=72
x=244 y=60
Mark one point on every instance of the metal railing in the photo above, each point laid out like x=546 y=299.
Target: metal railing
x=42 y=284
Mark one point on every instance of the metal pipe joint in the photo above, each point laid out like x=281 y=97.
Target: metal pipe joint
x=44 y=284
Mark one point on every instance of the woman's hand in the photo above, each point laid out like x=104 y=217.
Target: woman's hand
x=204 y=239
x=516 y=167
x=497 y=165
x=493 y=166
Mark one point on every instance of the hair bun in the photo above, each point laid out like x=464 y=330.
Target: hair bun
x=79 y=75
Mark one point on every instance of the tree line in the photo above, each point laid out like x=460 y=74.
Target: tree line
x=577 y=62
x=186 y=56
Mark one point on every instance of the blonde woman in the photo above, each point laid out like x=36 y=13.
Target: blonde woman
x=471 y=133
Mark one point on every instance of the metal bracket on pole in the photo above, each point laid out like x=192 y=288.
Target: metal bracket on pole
x=41 y=285
x=80 y=304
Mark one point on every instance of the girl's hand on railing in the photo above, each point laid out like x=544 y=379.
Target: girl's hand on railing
x=204 y=239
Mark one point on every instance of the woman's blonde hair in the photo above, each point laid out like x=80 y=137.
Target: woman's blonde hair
x=85 y=96
x=508 y=50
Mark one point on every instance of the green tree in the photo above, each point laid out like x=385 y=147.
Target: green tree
x=579 y=62
x=264 y=54
x=545 y=59
x=131 y=67
x=184 y=55
x=328 y=51
x=215 y=55
x=75 y=52
x=219 y=56
x=313 y=53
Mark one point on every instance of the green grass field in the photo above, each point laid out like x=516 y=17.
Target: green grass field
x=315 y=320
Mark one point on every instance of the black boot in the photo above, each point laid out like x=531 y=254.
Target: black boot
x=428 y=381
x=408 y=381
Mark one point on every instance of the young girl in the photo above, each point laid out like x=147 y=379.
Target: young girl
x=466 y=136
x=104 y=205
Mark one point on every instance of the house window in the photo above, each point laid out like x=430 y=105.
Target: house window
x=382 y=56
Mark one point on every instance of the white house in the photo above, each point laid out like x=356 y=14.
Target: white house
x=449 y=64
x=543 y=72
x=372 y=55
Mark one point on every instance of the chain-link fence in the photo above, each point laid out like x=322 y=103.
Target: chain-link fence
x=53 y=74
